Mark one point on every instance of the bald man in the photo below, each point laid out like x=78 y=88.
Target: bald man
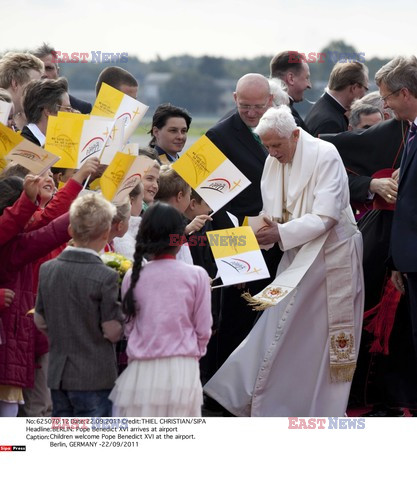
x=235 y=138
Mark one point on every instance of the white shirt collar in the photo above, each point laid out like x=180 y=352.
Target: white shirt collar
x=335 y=99
x=38 y=134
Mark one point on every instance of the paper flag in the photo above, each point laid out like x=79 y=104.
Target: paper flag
x=113 y=103
x=131 y=148
x=233 y=219
x=76 y=137
x=5 y=108
x=237 y=255
x=16 y=149
x=207 y=170
x=257 y=223
x=114 y=142
x=122 y=175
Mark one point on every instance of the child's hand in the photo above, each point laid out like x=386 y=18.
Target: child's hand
x=89 y=167
x=30 y=186
x=197 y=224
x=6 y=297
x=112 y=330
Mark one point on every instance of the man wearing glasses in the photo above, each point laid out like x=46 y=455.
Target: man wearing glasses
x=348 y=81
x=41 y=99
x=234 y=136
x=397 y=82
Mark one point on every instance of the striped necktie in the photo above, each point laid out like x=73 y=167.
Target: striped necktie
x=411 y=135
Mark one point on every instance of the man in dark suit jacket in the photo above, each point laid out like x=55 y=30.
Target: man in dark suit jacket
x=295 y=73
x=364 y=152
x=27 y=133
x=43 y=98
x=235 y=138
x=80 y=105
x=397 y=82
x=347 y=82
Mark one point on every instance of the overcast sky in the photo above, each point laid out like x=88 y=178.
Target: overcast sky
x=230 y=28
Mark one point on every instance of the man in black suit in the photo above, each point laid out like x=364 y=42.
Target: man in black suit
x=41 y=99
x=295 y=73
x=397 y=82
x=235 y=138
x=348 y=81
x=387 y=380
x=48 y=56
x=366 y=151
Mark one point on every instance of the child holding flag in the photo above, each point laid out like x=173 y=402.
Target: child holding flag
x=162 y=378
x=174 y=190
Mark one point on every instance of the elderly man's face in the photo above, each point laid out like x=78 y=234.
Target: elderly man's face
x=281 y=148
x=252 y=104
x=367 y=121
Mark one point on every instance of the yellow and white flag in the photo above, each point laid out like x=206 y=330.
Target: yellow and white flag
x=16 y=149
x=114 y=142
x=131 y=148
x=5 y=108
x=122 y=175
x=75 y=137
x=237 y=255
x=113 y=103
x=213 y=176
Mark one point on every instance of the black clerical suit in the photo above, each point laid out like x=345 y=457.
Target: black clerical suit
x=246 y=152
x=297 y=117
x=326 y=116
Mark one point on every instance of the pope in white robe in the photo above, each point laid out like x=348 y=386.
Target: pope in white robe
x=299 y=358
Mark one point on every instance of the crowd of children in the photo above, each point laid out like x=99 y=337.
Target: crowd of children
x=50 y=246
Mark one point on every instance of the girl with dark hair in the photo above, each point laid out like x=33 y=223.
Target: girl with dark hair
x=166 y=336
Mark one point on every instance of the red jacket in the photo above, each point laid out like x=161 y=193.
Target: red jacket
x=14 y=218
x=17 y=352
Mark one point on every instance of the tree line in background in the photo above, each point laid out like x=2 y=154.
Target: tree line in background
x=194 y=82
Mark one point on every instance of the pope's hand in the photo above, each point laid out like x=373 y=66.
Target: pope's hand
x=269 y=233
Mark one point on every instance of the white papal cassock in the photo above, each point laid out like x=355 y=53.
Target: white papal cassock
x=283 y=367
